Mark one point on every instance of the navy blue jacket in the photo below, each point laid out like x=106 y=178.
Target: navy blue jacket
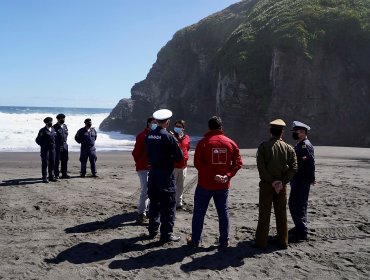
x=46 y=137
x=62 y=135
x=306 y=161
x=86 y=138
x=162 y=148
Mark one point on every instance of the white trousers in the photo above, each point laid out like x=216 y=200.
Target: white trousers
x=179 y=175
x=142 y=205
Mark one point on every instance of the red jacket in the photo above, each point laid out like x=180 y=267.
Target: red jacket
x=216 y=154
x=184 y=144
x=139 y=153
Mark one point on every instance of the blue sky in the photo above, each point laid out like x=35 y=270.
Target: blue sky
x=86 y=53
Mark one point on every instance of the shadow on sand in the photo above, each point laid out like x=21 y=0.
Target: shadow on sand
x=113 y=222
x=20 y=182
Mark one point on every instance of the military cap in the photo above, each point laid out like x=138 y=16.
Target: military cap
x=300 y=125
x=61 y=116
x=278 y=123
x=87 y=120
x=48 y=120
x=162 y=114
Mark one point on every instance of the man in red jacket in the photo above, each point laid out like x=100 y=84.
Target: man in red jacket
x=180 y=170
x=142 y=167
x=217 y=160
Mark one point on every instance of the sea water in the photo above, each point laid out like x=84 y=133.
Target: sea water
x=19 y=127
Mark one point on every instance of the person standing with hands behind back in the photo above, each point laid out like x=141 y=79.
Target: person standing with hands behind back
x=276 y=164
x=217 y=160
x=180 y=170
x=61 y=147
x=86 y=136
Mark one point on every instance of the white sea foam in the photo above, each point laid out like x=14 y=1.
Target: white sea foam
x=19 y=130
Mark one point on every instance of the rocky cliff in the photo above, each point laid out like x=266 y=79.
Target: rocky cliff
x=255 y=61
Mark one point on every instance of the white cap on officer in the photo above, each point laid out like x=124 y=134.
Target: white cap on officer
x=162 y=114
x=300 y=125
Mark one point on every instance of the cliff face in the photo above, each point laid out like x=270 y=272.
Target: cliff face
x=260 y=60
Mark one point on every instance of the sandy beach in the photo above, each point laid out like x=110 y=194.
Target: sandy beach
x=84 y=228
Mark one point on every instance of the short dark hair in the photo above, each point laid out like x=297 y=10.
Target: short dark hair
x=214 y=123
x=276 y=131
x=182 y=122
x=148 y=121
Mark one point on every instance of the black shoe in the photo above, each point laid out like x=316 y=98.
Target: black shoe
x=53 y=179
x=170 y=238
x=152 y=234
x=95 y=176
x=44 y=180
x=66 y=176
x=255 y=245
x=297 y=238
x=56 y=177
x=82 y=175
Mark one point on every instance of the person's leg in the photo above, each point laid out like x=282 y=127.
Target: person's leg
x=51 y=163
x=153 y=214
x=294 y=204
x=83 y=159
x=180 y=186
x=201 y=201
x=176 y=177
x=264 y=213
x=280 y=201
x=143 y=198
x=44 y=163
x=221 y=202
x=167 y=213
x=92 y=159
x=57 y=160
x=64 y=162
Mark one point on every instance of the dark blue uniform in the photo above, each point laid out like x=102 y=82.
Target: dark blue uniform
x=88 y=151
x=300 y=187
x=46 y=140
x=163 y=151
x=61 y=148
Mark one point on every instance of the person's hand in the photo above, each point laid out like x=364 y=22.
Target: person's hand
x=221 y=179
x=278 y=186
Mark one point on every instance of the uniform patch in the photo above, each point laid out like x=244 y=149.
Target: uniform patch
x=155 y=137
x=304 y=146
x=219 y=155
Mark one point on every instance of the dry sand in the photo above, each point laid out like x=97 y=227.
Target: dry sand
x=84 y=228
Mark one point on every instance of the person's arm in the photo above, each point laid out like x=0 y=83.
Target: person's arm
x=237 y=162
x=138 y=148
x=293 y=166
x=261 y=165
x=176 y=150
x=78 y=137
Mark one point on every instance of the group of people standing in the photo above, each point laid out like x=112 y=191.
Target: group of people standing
x=52 y=140
x=161 y=163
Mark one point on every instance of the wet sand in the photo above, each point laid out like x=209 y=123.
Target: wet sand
x=84 y=228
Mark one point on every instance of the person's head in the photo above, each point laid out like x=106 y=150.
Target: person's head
x=179 y=126
x=277 y=127
x=88 y=123
x=215 y=123
x=162 y=117
x=61 y=118
x=299 y=130
x=48 y=121
x=150 y=121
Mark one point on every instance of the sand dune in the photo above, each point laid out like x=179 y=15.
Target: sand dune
x=84 y=228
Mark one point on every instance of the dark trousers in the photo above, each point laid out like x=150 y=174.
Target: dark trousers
x=88 y=153
x=201 y=201
x=61 y=156
x=267 y=197
x=47 y=161
x=162 y=206
x=298 y=201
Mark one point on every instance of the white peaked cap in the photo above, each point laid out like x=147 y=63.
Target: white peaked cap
x=162 y=114
x=300 y=125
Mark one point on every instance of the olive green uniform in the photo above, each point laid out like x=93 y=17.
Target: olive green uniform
x=276 y=161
